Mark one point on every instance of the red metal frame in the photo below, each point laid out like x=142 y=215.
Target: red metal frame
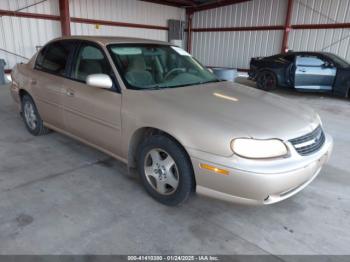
x=194 y=7
x=275 y=27
x=245 y=28
x=287 y=26
x=218 y=29
x=189 y=30
x=79 y=20
x=29 y=15
x=218 y=3
x=322 y=26
x=178 y=3
x=64 y=17
x=113 y=23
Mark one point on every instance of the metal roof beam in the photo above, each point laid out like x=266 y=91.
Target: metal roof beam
x=216 y=4
x=176 y=3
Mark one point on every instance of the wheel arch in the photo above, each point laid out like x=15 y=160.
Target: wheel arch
x=142 y=133
x=272 y=71
x=22 y=93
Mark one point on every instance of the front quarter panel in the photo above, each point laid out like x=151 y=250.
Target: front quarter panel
x=141 y=109
x=21 y=81
x=278 y=66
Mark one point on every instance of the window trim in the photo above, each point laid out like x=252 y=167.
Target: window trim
x=68 y=62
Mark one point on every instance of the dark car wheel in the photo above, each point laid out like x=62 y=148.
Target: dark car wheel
x=165 y=170
x=32 y=118
x=266 y=81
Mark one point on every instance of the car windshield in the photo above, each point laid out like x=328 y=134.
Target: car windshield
x=340 y=61
x=148 y=66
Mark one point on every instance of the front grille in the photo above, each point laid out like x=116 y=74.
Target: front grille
x=309 y=143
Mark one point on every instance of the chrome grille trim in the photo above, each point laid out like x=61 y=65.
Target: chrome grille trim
x=309 y=143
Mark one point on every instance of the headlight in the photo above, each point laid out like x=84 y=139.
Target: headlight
x=259 y=149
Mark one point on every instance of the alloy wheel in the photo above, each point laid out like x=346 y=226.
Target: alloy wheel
x=267 y=81
x=161 y=171
x=30 y=116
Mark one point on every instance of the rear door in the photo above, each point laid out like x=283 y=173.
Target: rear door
x=92 y=113
x=47 y=80
x=314 y=73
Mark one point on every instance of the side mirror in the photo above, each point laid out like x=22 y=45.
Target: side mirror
x=99 y=80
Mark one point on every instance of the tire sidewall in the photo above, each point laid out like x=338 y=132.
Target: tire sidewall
x=265 y=73
x=186 y=177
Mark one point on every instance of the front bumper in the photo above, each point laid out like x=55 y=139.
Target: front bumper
x=271 y=185
x=14 y=90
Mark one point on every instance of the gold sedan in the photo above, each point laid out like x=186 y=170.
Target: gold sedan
x=154 y=107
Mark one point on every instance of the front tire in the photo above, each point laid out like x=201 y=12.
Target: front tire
x=266 y=80
x=165 y=170
x=31 y=117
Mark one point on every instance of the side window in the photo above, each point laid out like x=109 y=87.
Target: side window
x=40 y=58
x=309 y=61
x=90 y=60
x=53 y=58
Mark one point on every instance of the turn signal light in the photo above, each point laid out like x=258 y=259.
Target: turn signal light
x=214 y=169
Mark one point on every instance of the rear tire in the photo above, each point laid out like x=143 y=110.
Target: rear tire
x=165 y=170
x=266 y=80
x=31 y=117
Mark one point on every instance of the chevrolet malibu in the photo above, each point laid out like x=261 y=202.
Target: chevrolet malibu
x=153 y=106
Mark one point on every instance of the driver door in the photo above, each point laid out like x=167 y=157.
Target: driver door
x=313 y=72
x=92 y=113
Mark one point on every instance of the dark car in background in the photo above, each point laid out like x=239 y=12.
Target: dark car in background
x=304 y=71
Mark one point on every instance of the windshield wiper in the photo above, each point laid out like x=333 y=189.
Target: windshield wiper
x=154 y=87
x=159 y=87
x=212 y=81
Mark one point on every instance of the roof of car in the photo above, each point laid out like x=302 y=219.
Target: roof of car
x=306 y=53
x=105 y=40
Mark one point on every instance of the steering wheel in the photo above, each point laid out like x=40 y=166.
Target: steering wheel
x=172 y=71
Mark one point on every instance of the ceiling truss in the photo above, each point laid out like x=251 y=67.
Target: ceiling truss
x=196 y=5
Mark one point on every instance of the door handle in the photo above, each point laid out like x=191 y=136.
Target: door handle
x=302 y=70
x=33 y=82
x=69 y=93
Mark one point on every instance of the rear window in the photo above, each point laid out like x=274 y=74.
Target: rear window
x=53 y=58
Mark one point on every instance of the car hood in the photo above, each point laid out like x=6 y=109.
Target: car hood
x=226 y=110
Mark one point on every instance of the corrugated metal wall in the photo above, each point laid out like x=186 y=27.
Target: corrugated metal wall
x=21 y=35
x=252 y=13
x=43 y=7
x=234 y=49
x=128 y=11
x=321 y=12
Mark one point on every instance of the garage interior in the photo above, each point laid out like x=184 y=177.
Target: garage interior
x=58 y=196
